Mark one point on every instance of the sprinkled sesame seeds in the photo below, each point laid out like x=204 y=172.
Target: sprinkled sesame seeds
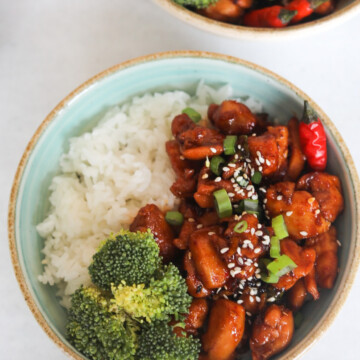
x=267 y=161
x=251 y=299
x=224 y=296
x=279 y=197
x=238 y=250
x=338 y=242
x=311 y=200
x=205 y=176
x=289 y=213
x=231 y=194
x=231 y=265
x=181 y=157
x=257 y=162
x=191 y=220
x=213 y=150
x=240 y=301
x=257 y=298
x=265 y=201
x=231 y=165
x=211 y=233
x=258 y=153
x=270 y=299
x=240 y=261
x=303 y=233
x=258 y=276
x=199 y=226
x=260 y=168
x=259 y=233
x=252 y=231
x=207 y=162
x=224 y=250
x=218 y=179
x=317 y=212
x=253 y=291
x=248 y=313
x=225 y=168
x=263 y=190
x=257 y=250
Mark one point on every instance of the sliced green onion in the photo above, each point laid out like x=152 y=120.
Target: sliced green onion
x=229 y=144
x=270 y=278
x=278 y=224
x=281 y=266
x=256 y=178
x=239 y=208
x=251 y=206
x=242 y=181
x=241 y=227
x=215 y=164
x=298 y=319
x=275 y=247
x=222 y=203
x=192 y=114
x=175 y=218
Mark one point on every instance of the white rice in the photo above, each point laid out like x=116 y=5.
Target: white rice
x=107 y=175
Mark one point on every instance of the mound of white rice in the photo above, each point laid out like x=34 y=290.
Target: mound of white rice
x=107 y=175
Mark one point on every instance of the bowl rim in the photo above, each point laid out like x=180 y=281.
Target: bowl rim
x=353 y=262
x=244 y=32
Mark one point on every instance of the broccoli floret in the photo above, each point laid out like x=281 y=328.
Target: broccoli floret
x=158 y=342
x=125 y=257
x=96 y=331
x=199 y=4
x=166 y=295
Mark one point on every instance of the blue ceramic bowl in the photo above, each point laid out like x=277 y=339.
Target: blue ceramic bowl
x=79 y=111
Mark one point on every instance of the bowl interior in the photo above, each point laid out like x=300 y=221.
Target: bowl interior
x=81 y=112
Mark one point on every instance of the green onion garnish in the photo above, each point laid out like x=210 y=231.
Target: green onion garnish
x=229 y=144
x=270 y=278
x=298 y=319
x=241 y=226
x=281 y=266
x=239 y=208
x=251 y=206
x=278 y=224
x=192 y=114
x=242 y=181
x=175 y=218
x=215 y=164
x=222 y=203
x=275 y=247
x=256 y=178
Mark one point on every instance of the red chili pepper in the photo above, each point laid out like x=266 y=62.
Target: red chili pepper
x=304 y=8
x=313 y=138
x=272 y=16
x=325 y=8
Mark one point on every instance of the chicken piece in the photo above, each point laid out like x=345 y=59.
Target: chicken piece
x=272 y=332
x=297 y=158
x=232 y=118
x=326 y=248
x=310 y=284
x=185 y=170
x=195 y=287
x=269 y=151
x=151 y=217
x=180 y=124
x=304 y=258
x=207 y=185
x=209 y=266
x=225 y=329
x=197 y=315
x=300 y=209
x=223 y=10
x=245 y=4
x=296 y=295
x=326 y=189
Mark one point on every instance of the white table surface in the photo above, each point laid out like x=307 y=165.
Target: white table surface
x=47 y=48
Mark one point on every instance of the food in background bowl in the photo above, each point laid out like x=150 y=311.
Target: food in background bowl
x=79 y=113
x=243 y=184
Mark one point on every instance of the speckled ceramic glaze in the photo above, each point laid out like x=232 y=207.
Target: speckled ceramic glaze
x=344 y=9
x=168 y=71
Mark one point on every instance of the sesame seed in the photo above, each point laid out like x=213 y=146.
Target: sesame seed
x=181 y=157
x=218 y=179
x=248 y=313
x=256 y=264
x=258 y=299
x=231 y=265
x=253 y=291
x=238 y=250
x=251 y=299
x=240 y=261
x=231 y=194
x=303 y=233
x=311 y=200
x=205 y=176
x=261 y=160
x=191 y=220
x=317 y=212
x=213 y=150
x=218 y=290
x=225 y=168
x=258 y=276
x=235 y=272
x=231 y=165
x=258 y=153
x=224 y=296
x=251 y=246
x=236 y=156
x=289 y=213
x=207 y=162
x=279 y=197
x=252 y=231
x=249 y=188
x=259 y=233
x=257 y=250
x=266 y=237
x=254 y=197
x=270 y=299
x=224 y=250
x=240 y=301
x=257 y=162
x=211 y=233
x=199 y=226
x=338 y=242
x=267 y=161
x=260 y=168
x=258 y=284
x=265 y=201
x=248 y=160
x=263 y=189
